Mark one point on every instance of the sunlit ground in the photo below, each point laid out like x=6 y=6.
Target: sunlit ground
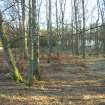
x=73 y=81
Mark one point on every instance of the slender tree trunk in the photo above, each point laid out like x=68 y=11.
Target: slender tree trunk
x=57 y=27
x=83 y=36
x=76 y=26
x=24 y=33
x=21 y=42
x=96 y=41
x=49 y=32
x=62 y=7
x=97 y=31
x=72 y=39
x=72 y=28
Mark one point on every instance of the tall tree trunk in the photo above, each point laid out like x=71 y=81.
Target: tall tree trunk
x=49 y=31
x=76 y=27
x=24 y=33
x=34 y=61
x=12 y=64
x=72 y=28
x=72 y=39
x=62 y=7
x=97 y=31
x=83 y=36
x=57 y=27
x=19 y=34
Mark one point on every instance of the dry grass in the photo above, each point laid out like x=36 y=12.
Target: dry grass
x=67 y=80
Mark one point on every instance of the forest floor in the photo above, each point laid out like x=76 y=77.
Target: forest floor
x=66 y=81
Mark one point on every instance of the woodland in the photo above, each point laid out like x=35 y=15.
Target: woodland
x=52 y=52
